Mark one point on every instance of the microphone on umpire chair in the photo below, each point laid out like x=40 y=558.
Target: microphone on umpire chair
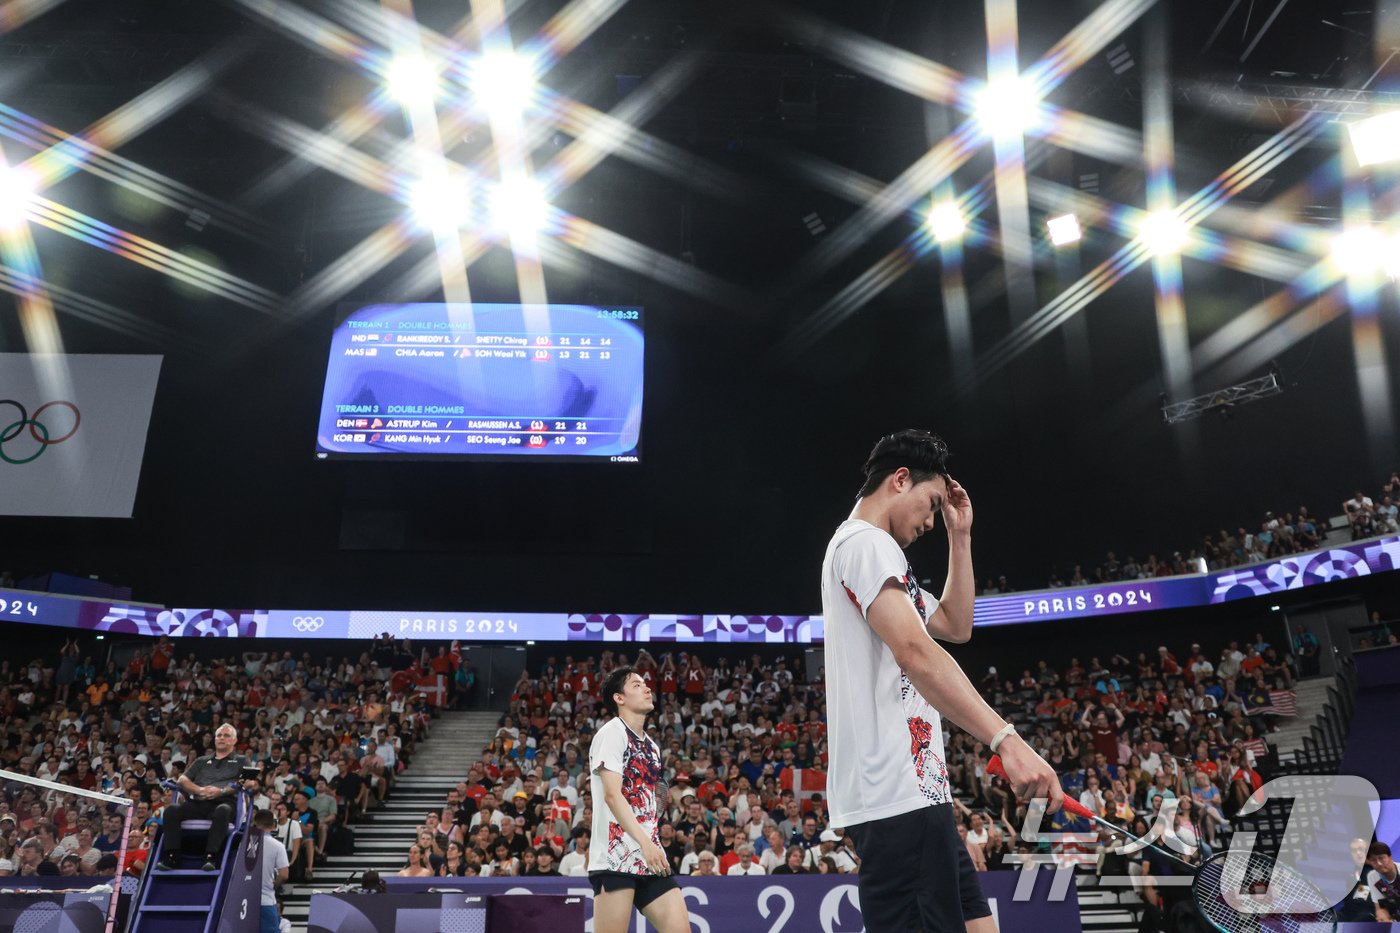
x=371 y=883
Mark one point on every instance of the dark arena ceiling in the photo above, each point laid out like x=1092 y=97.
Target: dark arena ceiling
x=219 y=177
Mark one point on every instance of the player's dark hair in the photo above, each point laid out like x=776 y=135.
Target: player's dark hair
x=924 y=454
x=614 y=683
x=1377 y=849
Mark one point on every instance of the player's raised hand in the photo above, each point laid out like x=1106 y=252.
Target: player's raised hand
x=957 y=508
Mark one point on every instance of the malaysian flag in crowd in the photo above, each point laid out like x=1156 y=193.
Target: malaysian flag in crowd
x=1284 y=702
x=1080 y=849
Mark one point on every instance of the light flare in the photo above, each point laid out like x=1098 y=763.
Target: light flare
x=441 y=202
x=1008 y=107
x=519 y=208
x=1376 y=140
x=1164 y=232
x=503 y=81
x=1064 y=229
x=1362 y=252
x=946 y=222
x=411 y=80
x=17 y=189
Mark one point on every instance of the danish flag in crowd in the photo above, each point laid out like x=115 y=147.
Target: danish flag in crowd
x=803 y=782
x=433 y=688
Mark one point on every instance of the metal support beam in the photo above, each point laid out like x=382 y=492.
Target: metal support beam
x=1221 y=400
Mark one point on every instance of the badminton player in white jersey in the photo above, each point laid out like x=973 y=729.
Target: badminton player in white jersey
x=889 y=683
x=626 y=864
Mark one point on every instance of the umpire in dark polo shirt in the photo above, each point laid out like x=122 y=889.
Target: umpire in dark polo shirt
x=208 y=796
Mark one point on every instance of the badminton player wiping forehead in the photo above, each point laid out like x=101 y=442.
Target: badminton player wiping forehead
x=888 y=684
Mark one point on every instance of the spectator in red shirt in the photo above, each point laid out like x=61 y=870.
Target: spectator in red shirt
x=1167 y=663
x=1244 y=780
x=1104 y=734
x=137 y=852
x=646 y=666
x=1203 y=763
x=442 y=663
x=161 y=656
x=709 y=787
x=587 y=681
x=475 y=789
x=694 y=677
x=568 y=683
x=667 y=678
x=83 y=776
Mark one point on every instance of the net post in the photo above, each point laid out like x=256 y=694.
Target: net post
x=57 y=789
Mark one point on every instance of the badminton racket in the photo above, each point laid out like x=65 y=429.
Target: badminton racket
x=1078 y=809
x=1260 y=873
x=1286 y=888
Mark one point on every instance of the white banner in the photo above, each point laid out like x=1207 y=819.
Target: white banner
x=73 y=432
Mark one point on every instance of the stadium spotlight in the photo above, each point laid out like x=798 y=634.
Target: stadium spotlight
x=1376 y=139
x=1362 y=252
x=945 y=222
x=1164 y=232
x=1064 y=229
x=440 y=202
x=16 y=192
x=519 y=207
x=503 y=81
x=411 y=80
x=1007 y=107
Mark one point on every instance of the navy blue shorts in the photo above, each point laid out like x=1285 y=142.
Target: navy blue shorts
x=915 y=873
x=645 y=888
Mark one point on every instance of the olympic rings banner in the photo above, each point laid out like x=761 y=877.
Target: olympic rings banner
x=73 y=432
x=770 y=904
x=1298 y=571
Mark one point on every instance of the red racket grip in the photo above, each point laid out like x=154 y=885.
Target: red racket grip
x=1073 y=806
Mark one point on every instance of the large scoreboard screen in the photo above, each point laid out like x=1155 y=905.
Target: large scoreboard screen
x=484 y=382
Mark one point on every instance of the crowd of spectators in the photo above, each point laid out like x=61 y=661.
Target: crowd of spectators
x=1277 y=535
x=1378 y=632
x=1378 y=516
x=744 y=754
x=728 y=733
x=743 y=744
x=329 y=735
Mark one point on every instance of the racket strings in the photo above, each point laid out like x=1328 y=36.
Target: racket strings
x=1295 y=899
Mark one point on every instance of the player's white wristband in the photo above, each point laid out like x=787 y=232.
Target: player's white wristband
x=1006 y=730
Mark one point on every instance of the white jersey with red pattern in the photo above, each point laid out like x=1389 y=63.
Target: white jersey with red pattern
x=925 y=722
x=637 y=758
x=874 y=773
